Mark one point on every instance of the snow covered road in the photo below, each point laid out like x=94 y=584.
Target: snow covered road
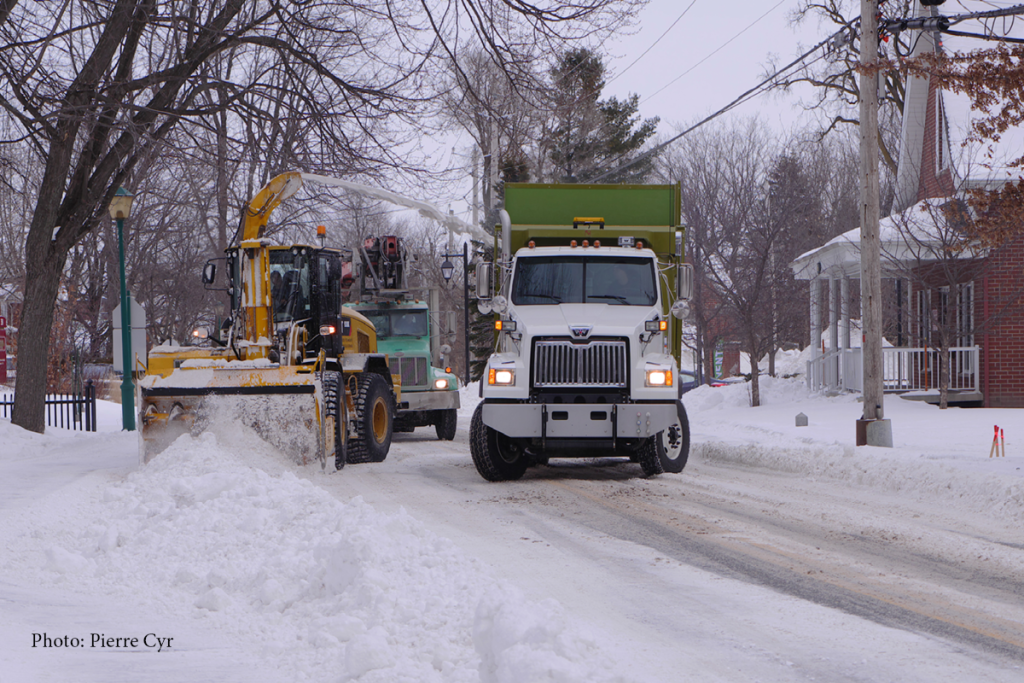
x=730 y=571
x=780 y=554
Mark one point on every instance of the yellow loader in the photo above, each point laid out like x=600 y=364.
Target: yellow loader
x=290 y=363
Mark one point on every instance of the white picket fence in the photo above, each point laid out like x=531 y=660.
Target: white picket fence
x=903 y=369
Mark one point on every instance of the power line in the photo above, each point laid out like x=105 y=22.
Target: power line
x=694 y=2
x=716 y=51
x=749 y=94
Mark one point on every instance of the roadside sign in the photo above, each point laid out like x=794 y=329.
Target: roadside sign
x=137 y=322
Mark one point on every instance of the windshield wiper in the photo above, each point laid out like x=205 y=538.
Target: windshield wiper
x=546 y=296
x=620 y=299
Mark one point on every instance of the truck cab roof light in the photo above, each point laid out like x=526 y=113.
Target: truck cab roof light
x=597 y=243
x=321 y=230
x=639 y=244
x=626 y=240
x=586 y=243
x=532 y=244
x=572 y=244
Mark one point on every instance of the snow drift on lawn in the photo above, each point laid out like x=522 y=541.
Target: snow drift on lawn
x=328 y=590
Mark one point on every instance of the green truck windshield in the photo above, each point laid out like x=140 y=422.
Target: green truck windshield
x=398 y=323
x=621 y=281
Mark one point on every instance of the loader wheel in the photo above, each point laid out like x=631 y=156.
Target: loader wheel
x=496 y=457
x=447 y=420
x=374 y=420
x=334 y=398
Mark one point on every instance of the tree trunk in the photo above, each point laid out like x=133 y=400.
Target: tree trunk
x=42 y=281
x=943 y=363
x=755 y=386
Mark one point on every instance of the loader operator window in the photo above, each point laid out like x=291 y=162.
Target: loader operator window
x=291 y=299
x=619 y=281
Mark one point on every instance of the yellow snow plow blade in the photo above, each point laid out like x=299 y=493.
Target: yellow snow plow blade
x=281 y=404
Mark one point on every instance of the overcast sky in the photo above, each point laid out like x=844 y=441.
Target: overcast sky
x=714 y=52
x=687 y=59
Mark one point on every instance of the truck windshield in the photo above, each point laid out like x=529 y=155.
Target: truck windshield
x=618 y=280
x=398 y=323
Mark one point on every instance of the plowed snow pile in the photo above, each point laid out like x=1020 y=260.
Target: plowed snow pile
x=325 y=590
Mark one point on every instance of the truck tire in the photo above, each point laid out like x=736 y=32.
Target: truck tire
x=494 y=455
x=374 y=420
x=447 y=421
x=674 y=443
x=647 y=456
x=667 y=451
x=334 y=397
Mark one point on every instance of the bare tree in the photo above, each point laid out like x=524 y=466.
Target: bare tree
x=835 y=80
x=94 y=88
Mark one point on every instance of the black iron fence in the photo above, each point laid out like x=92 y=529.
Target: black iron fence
x=66 y=411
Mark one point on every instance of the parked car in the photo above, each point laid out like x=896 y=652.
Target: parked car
x=687 y=381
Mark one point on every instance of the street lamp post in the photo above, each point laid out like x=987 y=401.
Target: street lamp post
x=447 y=269
x=120 y=209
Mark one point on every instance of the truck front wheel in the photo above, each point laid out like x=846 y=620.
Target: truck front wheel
x=496 y=457
x=668 y=450
x=674 y=443
x=447 y=421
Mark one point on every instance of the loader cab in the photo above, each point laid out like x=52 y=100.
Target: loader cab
x=305 y=291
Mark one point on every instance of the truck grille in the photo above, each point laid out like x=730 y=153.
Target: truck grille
x=413 y=371
x=565 y=364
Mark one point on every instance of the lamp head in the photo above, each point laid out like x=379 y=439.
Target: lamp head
x=121 y=204
x=447 y=268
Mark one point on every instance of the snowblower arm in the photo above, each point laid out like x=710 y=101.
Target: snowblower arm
x=257 y=213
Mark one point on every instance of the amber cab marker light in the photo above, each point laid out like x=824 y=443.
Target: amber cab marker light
x=572 y=244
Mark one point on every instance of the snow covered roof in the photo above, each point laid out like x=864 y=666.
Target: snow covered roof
x=915 y=234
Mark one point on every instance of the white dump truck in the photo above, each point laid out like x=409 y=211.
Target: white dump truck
x=588 y=297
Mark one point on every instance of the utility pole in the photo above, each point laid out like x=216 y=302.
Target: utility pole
x=476 y=186
x=872 y=429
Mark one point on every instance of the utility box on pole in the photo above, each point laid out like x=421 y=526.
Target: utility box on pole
x=138 y=325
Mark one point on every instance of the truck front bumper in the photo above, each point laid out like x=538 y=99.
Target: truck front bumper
x=579 y=420
x=429 y=400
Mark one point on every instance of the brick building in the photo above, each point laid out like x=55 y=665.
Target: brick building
x=951 y=307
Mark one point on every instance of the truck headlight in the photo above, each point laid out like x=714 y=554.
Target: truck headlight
x=501 y=376
x=440 y=383
x=659 y=378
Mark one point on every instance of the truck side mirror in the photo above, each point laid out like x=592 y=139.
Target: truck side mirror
x=209 y=273
x=684 y=282
x=484 y=273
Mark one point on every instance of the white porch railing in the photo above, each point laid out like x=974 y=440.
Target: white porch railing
x=903 y=369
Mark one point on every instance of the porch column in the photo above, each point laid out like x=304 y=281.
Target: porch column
x=844 y=308
x=816 y=316
x=833 y=317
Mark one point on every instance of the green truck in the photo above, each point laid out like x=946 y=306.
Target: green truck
x=588 y=297
x=408 y=332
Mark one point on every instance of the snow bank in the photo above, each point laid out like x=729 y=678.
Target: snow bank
x=940 y=457
x=325 y=590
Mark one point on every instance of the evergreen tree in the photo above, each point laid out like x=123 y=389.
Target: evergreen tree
x=589 y=136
